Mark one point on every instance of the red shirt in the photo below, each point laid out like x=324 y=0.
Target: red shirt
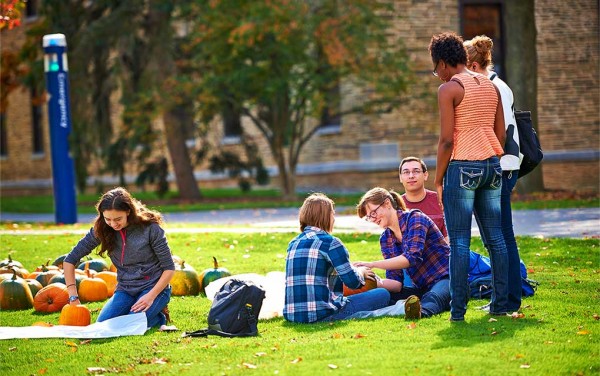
x=429 y=205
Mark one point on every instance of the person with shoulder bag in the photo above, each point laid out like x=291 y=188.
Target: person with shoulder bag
x=479 y=59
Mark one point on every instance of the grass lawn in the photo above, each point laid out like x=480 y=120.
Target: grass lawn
x=558 y=335
x=226 y=198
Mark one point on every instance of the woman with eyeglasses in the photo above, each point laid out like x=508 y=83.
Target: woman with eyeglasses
x=411 y=243
x=468 y=175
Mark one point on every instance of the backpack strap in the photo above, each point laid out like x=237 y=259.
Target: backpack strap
x=494 y=75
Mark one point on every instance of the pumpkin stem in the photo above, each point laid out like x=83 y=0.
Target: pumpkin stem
x=14 y=277
x=216 y=264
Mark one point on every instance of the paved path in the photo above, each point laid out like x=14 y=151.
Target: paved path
x=574 y=223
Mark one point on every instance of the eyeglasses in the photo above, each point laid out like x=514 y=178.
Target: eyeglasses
x=415 y=172
x=373 y=214
x=435 y=73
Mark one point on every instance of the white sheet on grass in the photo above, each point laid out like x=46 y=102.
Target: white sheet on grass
x=128 y=325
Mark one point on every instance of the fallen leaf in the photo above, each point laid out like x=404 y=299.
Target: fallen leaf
x=70 y=343
x=96 y=370
x=583 y=332
x=41 y=323
x=412 y=325
x=596 y=316
x=492 y=319
x=359 y=336
x=337 y=335
x=12 y=348
x=493 y=333
x=297 y=360
x=332 y=366
x=525 y=365
x=160 y=361
x=42 y=371
x=258 y=354
x=85 y=341
x=519 y=356
x=249 y=365
x=517 y=315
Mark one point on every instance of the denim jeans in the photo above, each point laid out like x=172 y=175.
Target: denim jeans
x=473 y=187
x=365 y=301
x=121 y=302
x=433 y=301
x=509 y=180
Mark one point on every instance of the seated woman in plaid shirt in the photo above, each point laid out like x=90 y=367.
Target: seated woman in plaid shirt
x=316 y=265
x=411 y=244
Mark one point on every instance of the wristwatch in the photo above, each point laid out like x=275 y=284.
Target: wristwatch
x=73 y=298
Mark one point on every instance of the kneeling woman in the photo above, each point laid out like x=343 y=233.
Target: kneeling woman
x=136 y=244
x=412 y=244
x=316 y=265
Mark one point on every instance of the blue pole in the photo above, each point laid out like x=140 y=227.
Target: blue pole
x=59 y=117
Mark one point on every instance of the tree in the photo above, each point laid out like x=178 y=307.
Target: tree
x=276 y=60
x=10 y=13
x=522 y=78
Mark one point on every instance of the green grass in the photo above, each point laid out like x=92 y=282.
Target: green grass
x=233 y=198
x=559 y=334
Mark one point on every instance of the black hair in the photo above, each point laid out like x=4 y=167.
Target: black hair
x=449 y=47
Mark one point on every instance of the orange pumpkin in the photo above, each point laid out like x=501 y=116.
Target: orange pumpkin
x=92 y=289
x=369 y=285
x=111 y=281
x=75 y=315
x=51 y=298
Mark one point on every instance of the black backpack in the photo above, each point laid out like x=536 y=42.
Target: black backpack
x=529 y=143
x=234 y=311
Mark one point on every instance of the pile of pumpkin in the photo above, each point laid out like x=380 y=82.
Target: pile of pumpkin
x=45 y=290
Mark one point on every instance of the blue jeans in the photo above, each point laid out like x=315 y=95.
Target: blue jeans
x=433 y=301
x=509 y=180
x=473 y=187
x=121 y=302
x=364 y=301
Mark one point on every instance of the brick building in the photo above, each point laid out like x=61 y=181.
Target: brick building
x=364 y=151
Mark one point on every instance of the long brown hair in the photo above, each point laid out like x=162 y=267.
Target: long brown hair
x=120 y=199
x=377 y=196
x=316 y=211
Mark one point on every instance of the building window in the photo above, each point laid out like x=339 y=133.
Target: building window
x=232 y=122
x=37 y=133
x=3 y=141
x=330 y=117
x=31 y=8
x=485 y=18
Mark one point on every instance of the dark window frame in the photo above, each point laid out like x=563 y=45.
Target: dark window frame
x=3 y=134
x=499 y=56
x=37 y=130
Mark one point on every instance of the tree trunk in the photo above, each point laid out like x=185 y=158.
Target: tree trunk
x=521 y=68
x=180 y=158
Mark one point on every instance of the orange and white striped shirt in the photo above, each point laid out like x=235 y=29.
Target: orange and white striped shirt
x=474 y=137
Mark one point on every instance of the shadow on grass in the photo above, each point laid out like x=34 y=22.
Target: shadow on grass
x=481 y=330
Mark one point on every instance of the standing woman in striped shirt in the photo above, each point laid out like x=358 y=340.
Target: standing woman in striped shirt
x=468 y=174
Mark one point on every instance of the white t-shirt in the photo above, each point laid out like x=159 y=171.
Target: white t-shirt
x=512 y=155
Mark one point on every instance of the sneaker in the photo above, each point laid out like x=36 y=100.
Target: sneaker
x=165 y=311
x=412 y=308
x=485 y=307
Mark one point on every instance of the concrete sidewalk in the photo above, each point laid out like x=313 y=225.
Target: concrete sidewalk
x=573 y=223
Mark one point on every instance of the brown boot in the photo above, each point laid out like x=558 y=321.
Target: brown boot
x=165 y=311
x=412 y=308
